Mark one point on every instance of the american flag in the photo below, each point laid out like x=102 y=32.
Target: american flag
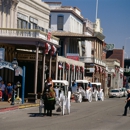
x=60 y=65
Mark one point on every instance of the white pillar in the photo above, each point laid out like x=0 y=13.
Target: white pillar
x=43 y=71
x=50 y=66
x=74 y=74
x=56 y=66
x=63 y=74
x=36 y=71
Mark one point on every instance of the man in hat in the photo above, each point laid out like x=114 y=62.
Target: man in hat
x=127 y=103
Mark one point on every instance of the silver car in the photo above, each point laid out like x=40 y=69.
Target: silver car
x=115 y=93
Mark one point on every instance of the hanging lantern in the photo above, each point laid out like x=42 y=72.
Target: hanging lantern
x=67 y=66
x=100 y=69
x=77 y=68
x=47 y=48
x=81 y=69
x=103 y=71
x=96 y=68
x=53 y=50
x=72 y=67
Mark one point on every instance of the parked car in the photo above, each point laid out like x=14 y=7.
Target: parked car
x=115 y=93
x=124 y=92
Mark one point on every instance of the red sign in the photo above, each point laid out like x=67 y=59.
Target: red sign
x=73 y=57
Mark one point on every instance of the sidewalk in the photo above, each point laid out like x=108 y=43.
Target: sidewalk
x=5 y=106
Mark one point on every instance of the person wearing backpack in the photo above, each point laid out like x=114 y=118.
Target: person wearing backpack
x=48 y=82
x=50 y=100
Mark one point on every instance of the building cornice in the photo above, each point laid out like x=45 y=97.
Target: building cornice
x=32 y=13
x=67 y=11
x=27 y=2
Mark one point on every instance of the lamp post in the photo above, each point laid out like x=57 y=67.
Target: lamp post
x=18 y=85
x=14 y=66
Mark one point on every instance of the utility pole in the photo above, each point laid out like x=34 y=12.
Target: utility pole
x=96 y=8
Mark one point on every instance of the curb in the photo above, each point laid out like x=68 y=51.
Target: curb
x=18 y=107
x=27 y=106
x=8 y=109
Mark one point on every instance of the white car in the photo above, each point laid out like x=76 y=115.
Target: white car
x=124 y=92
x=115 y=93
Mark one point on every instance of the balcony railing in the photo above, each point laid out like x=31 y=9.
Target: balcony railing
x=92 y=60
x=31 y=33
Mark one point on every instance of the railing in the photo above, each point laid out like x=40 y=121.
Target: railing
x=92 y=60
x=32 y=33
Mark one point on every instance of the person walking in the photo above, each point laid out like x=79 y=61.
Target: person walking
x=9 y=91
x=127 y=103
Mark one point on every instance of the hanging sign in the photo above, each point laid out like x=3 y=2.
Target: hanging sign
x=5 y=64
x=2 y=53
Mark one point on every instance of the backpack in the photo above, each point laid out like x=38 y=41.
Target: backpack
x=51 y=93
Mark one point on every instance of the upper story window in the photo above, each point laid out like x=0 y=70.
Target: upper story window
x=33 y=23
x=49 y=21
x=60 y=22
x=22 y=24
x=22 y=21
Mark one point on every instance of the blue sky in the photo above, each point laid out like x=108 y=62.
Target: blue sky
x=114 y=16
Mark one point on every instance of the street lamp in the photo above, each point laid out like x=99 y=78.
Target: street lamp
x=18 y=85
x=14 y=66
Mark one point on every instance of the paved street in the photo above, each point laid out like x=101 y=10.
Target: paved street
x=99 y=115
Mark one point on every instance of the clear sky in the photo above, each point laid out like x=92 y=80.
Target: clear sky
x=114 y=16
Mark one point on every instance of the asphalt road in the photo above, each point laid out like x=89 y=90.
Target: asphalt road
x=106 y=115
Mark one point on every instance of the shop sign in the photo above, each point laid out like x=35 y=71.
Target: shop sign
x=2 y=54
x=5 y=64
x=73 y=56
x=29 y=57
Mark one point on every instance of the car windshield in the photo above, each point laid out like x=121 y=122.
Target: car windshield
x=114 y=90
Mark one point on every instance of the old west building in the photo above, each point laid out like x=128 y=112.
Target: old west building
x=80 y=41
x=116 y=67
x=66 y=23
x=24 y=34
x=95 y=54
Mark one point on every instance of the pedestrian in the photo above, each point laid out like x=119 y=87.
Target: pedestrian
x=74 y=86
x=127 y=103
x=3 y=88
x=45 y=92
x=50 y=100
x=9 y=91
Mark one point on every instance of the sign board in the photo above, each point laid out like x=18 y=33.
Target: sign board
x=4 y=64
x=2 y=53
x=8 y=65
x=19 y=71
x=73 y=56
x=30 y=57
x=109 y=47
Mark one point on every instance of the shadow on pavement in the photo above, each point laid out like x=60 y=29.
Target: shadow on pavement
x=41 y=115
